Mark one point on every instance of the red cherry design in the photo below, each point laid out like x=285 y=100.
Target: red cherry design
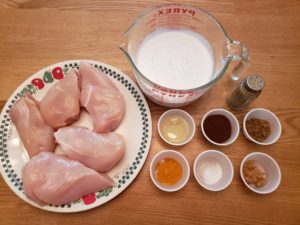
x=38 y=83
x=89 y=199
x=57 y=73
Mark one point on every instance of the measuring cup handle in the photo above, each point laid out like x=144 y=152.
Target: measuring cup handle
x=236 y=51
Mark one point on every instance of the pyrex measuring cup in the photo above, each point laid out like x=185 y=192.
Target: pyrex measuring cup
x=178 y=16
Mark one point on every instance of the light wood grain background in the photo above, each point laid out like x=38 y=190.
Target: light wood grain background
x=34 y=34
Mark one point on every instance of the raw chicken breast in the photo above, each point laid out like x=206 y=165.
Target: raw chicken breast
x=100 y=152
x=35 y=133
x=54 y=179
x=101 y=98
x=60 y=106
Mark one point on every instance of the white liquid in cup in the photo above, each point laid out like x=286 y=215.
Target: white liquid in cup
x=176 y=59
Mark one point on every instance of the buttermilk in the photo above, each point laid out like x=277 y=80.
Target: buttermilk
x=176 y=59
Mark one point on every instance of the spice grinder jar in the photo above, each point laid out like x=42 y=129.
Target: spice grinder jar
x=247 y=91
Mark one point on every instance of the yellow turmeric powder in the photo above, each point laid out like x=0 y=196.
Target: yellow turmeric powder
x=168 y=171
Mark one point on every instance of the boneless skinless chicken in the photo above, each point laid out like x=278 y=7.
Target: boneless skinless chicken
x=35 y=133
x=101 y=98
x=49 y=178
x=100 y=152
x=60 y=106
x=54 y=179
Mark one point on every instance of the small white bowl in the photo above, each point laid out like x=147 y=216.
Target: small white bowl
x=264 y=114
x=180 y=159
x=186 y=116
x=273 y=173
x=225 y=164
x=235 y=127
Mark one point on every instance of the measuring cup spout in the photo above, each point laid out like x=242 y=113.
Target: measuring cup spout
x=124 y=43
x=125 y=48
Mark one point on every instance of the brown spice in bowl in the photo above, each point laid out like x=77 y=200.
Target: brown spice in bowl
x=258 y=129
x=217 y=128
x=254 y=173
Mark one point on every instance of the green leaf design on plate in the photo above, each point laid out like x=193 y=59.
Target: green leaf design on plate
x=104 y=193
x=77 y=201
x=65 y=70
x=33 y=89
x=98 y=195
x=48 y=78
x=29 y=88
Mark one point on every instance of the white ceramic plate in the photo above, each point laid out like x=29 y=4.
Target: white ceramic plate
x=135 y=127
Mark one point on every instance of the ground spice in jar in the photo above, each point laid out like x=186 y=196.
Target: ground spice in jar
x=254 y=173
x=217 y=128
x=258 y=129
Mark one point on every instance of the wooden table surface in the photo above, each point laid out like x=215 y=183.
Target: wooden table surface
x=34 y=34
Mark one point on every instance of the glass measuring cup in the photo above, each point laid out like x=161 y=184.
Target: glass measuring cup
x=185 y=17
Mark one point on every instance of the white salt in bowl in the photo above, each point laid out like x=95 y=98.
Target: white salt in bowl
x=186 y=116
x=223 y=179
x=264 y=114
x=235 y=127
x=273 y=173
x=180 y=159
